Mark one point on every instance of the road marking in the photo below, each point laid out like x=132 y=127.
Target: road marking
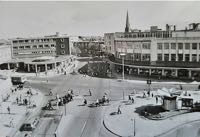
x=83 y=127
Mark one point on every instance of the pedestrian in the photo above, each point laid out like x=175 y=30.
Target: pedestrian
x=132 y=99
x=119 y=110
x=152 y=95
x=156 y=99
x=50 y=93
x=144 y=95
x=90 y=93
x=72 y=92
x=97 y=102
x=8 y=108
x=148 y=93
x=181 y=88
x=17 y=99
x=11 y=122
x=129 y=97
x=85 y=102
x=57 y=96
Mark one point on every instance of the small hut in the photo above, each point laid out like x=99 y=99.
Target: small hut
x=169 y=102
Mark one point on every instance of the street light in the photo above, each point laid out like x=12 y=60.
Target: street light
x=122 y=54
x=133 y=119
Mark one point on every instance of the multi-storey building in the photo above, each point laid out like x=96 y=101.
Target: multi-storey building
x=167 y=52
x=39 y=54
x=89 y=45
x=42 y=46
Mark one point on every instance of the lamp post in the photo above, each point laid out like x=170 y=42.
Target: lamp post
x=134 y=132
x=122 y=55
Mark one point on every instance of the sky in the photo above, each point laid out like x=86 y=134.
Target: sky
x=30 y=19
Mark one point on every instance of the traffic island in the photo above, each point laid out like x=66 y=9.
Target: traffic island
x=130 y=122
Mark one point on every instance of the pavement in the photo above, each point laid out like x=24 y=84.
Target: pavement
x=50 y=73
x=122 y=125
x=10 y=123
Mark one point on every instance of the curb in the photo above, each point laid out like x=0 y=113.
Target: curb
x=110 y=130
x=175 y=128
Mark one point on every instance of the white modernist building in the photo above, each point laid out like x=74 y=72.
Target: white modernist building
x=170 y=52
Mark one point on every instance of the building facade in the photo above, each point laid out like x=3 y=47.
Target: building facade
x=89 y=46
x=167 y=52
x=42 y=46
x=40 y=54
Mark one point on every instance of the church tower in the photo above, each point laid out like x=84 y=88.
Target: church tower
x=127 y=28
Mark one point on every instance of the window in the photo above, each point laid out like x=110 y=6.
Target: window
x=146 y=57
x=159 y=57
x=52 y=45
x=146 y=45
x=180 y=45
x=173 y=45
x=27 y=47
x=194 y=46
x=166 y=57
x=159 y=46
x=194 y=57
x=62 y=52
x=180 y=57
x=137 y=56
x=21 y=47
x=46 y=46
x=187 y=57
x=34 y=47
x=166 y=45
x=15 y=47
x=40 y=46
x=173 y=57
x=187 y=46
x=62 y=46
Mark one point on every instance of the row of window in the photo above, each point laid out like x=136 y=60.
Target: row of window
x=159 y=34
x=186 y=46
x=37 y=52
x=34 y=46
x=43 y=52
x=134 y=45
x=36 y=40
x=178 y=57
x=136 y=57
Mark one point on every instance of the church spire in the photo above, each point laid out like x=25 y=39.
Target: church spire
x=127 y=28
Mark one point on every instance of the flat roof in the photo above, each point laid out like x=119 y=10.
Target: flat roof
x=31 y=38
x=46 y=60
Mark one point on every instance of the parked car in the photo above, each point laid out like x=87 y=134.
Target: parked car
x=29 y=126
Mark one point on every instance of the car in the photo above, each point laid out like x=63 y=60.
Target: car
x=29 y=126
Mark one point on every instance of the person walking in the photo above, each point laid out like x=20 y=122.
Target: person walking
x=11 y=122
x=132 y=99
x=85 y=102
x=8 y=108
x=119 y=110
x=156 y=99
x=90 y=93
x=129 y=97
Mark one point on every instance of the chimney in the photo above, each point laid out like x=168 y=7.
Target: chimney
x=57 y=34
x=174 y=27
x=167 y=27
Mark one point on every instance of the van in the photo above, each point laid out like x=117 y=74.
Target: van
x=29 y=126
x=18 y=80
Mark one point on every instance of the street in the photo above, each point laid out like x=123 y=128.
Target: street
x=82 y=120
